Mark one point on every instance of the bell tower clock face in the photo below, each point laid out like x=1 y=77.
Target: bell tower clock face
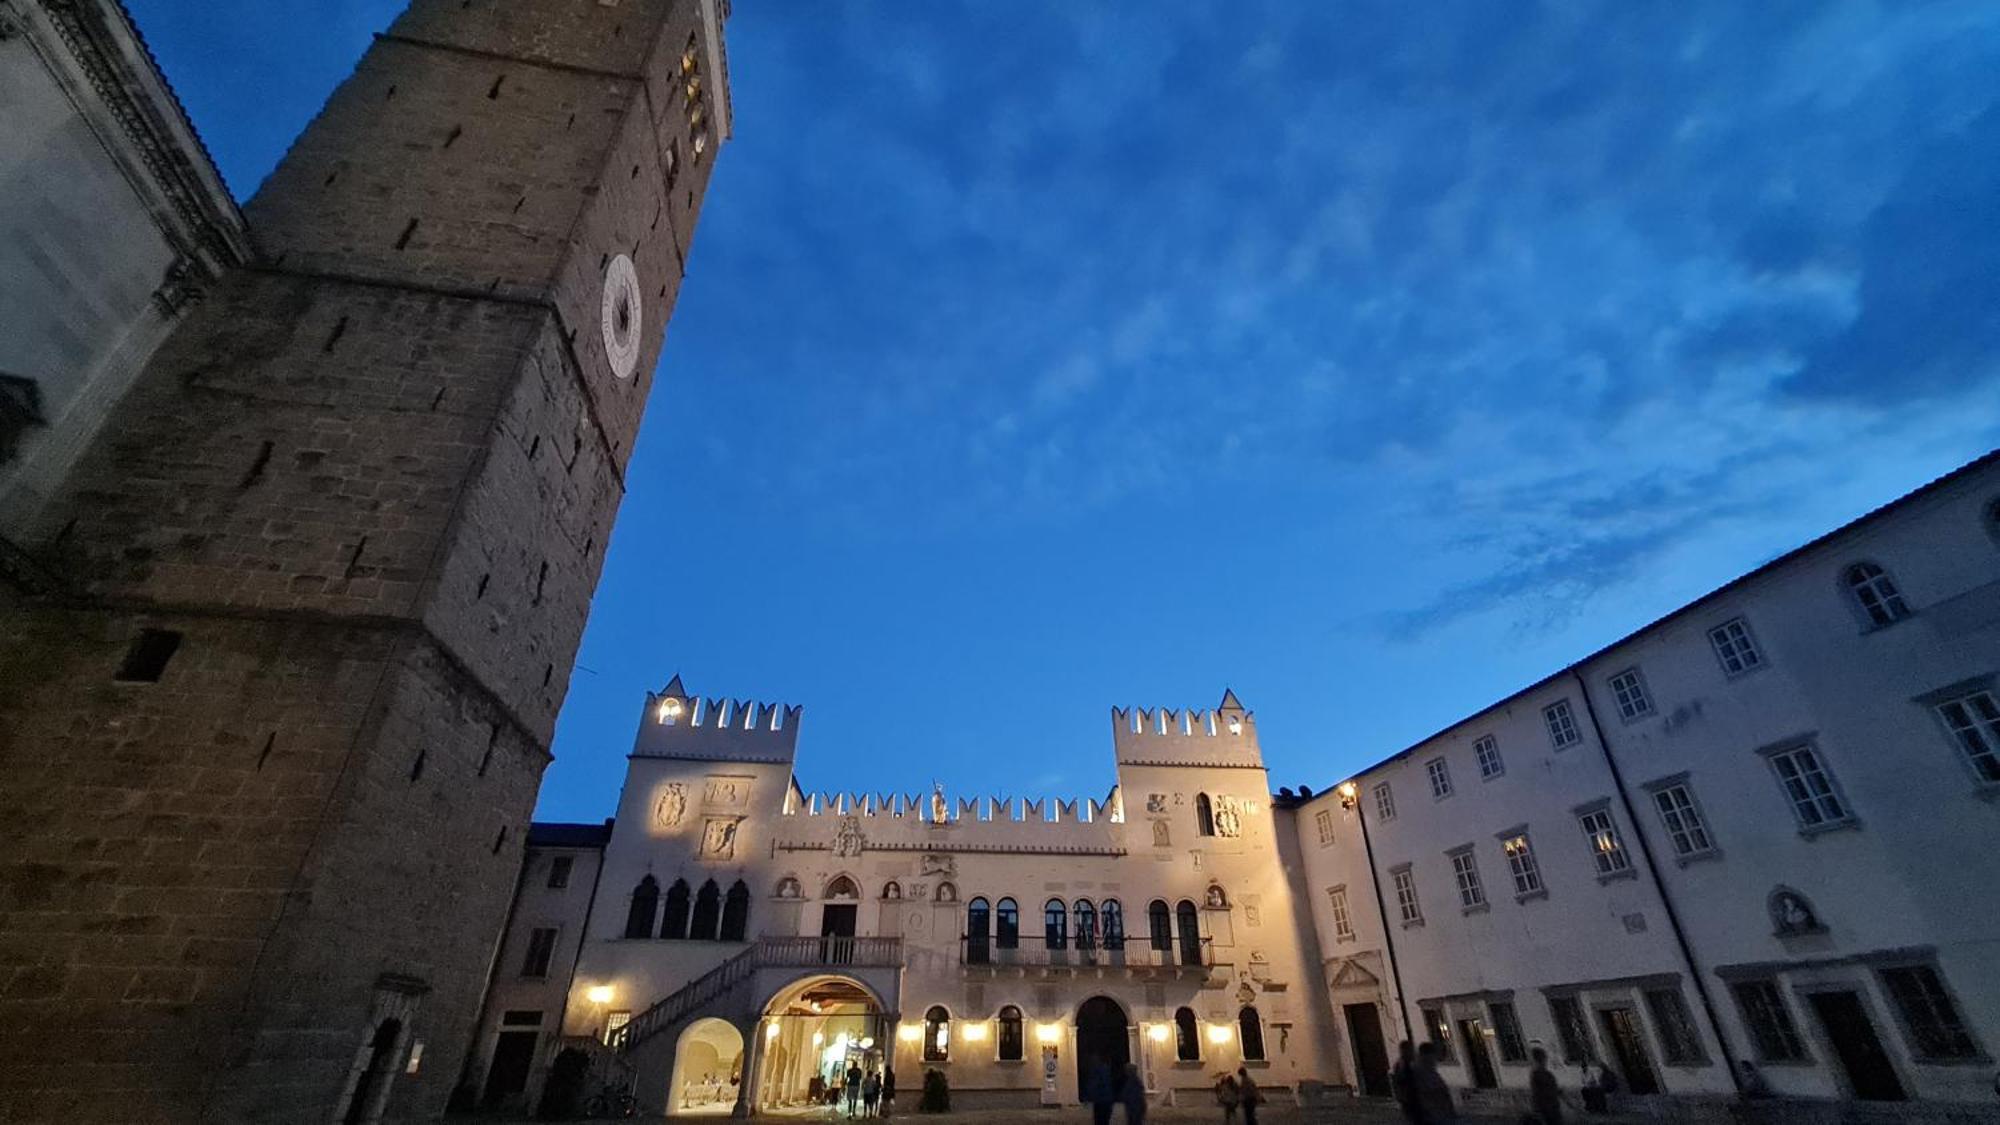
x=622 y=315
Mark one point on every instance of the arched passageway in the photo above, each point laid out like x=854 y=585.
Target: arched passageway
x=1103 y=1037
x=814 y=1031
x=708 y=1069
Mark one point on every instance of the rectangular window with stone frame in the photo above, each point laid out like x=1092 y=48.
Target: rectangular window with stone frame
x=1385 y=802
x=1465 y=873
x=1769 y=1020
x=1507 y=1031
x=1343 y=922
x=1629 y=690
x=1407 y=907
x=1930 y=1017
x=1438 y=1029
x=1572 y=1029
x=1607 y=848
x=1323 y=821
x=541 y=949
x=1809 y=786
x=1561 y=722
x=1680 y=1043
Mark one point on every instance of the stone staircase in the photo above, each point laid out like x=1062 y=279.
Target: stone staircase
x=737 y=990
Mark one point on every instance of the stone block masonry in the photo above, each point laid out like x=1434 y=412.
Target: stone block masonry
x=272 y=749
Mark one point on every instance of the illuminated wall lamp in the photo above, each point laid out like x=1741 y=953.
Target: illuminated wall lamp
x=1048 y=1032
x=1158 y=1033
x=910 y=1033
x=599 y=994
x=1217 y=1033
x=975 y=1032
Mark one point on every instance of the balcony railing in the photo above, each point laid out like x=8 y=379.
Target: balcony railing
x=849 y=952
x=1037 y=951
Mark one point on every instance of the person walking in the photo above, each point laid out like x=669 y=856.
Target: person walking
x=888 y=1089
x=1432 y=1093
x=853 y=1090
x=871 y=1092
x=1544 y=1096
x=1248 y=1093
x=1228 y=1097
x=1100 y=1089
x=1403 y=1083
x=1132 y=1091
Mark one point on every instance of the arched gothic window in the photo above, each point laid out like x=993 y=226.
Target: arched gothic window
x=645 y=903
x=1113 y=923
x=1875 y=593
x=1160 y=926
x=1007 y=925
x=707 y=912
x=1012 y=1041
x=736 y=912
x=1204 y=815
x=842 y=887
x=674 y=924
x=1055 y=924
x=1086 y=924
x=1188 y=922
x=978 y=942
x=1250 y=1033
x=1187 y=1036
x=937 y=1034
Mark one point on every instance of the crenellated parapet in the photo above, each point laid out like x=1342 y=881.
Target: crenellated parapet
x=1225 y=736
x=675 y=724
x=940 y=809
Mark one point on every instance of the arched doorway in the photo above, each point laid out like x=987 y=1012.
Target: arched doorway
x=708 y=1069
x=1102 y=1036
x=815 y=1030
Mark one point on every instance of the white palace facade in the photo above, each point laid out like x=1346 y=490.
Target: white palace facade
x=1753 y=847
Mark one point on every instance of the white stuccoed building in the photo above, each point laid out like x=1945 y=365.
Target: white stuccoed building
x=1765 y=827
x=1762 y=828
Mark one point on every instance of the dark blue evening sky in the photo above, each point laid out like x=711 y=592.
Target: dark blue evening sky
x=1373 y=359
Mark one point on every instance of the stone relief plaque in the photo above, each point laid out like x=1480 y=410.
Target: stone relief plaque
x=938 y=863
x=1160 y=837
x=671 y=807
x=718 y=838
x=848 y=841
x=1156 y=802
x=726 y=792
x=1228 y=816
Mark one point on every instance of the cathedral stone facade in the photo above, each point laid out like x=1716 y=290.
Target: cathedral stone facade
x=1743 y=859
x=286 y=628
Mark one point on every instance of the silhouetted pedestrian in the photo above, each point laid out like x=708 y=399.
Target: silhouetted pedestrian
x=1100 y=1089
x=1544 y=1096
x=1133 y=1092
x=1228 y=1097
x=1246 y=1089
x=853 y=1090
x=1403 y=1083
x=1432 y=1093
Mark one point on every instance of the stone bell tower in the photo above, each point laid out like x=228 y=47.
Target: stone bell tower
x=273 y=718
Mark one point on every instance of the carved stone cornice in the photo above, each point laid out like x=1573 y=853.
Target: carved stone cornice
x=154 y=136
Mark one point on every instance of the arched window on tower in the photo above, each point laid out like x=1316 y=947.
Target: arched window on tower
x=1250 y=1033
x=1113 y=922
x=937 y=1034
x=707 y=912
x=978 y=942
x=1875 y=594
x=1055 y=925
x=1012 y=1042
x=1187 y=1036
x=1188 y=921
x=1086 y=924
x=1160 y=926
x=842 y=887
x=645 y=903
x=1007 y=925
x=1204 y=815
x=674 y=924
x=736 y=912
